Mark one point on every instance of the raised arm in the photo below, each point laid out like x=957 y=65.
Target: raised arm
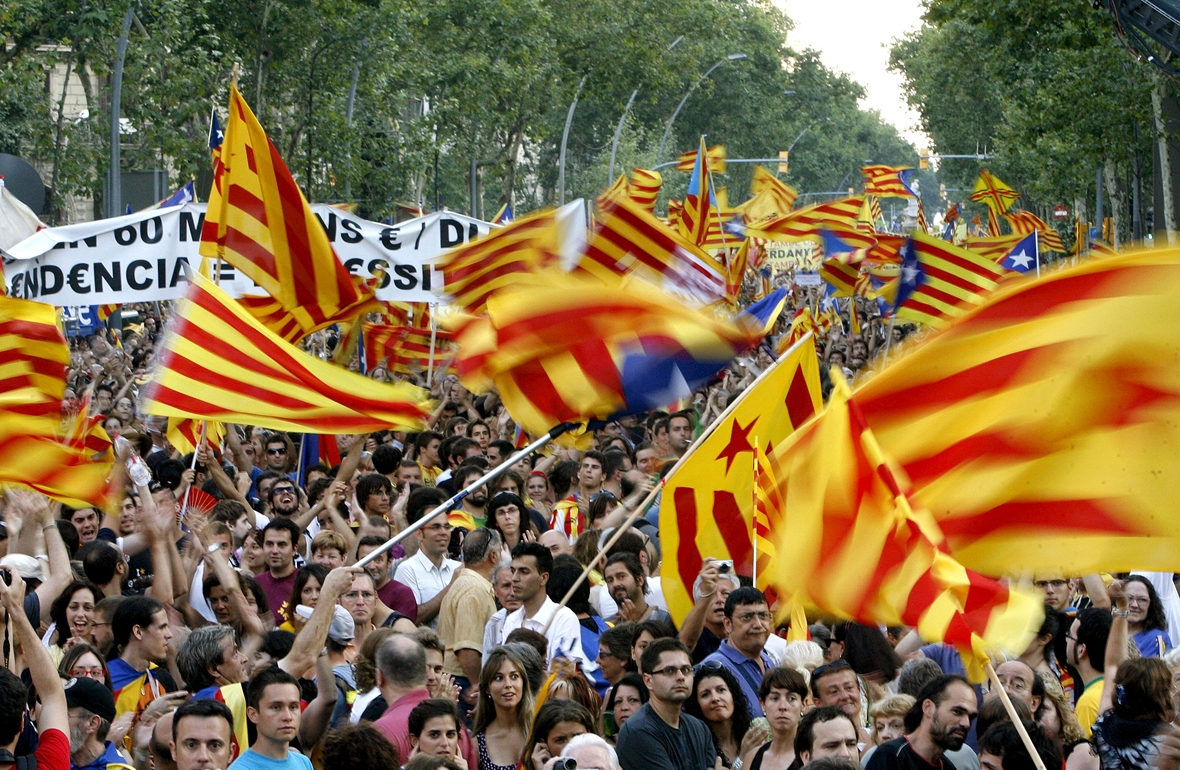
x=1116 y=643
x=312 y=638
x=54 y=714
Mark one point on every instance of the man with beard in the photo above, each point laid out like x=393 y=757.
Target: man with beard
x=937 y=723
x=627 y=584
x=659 y=736
x=472 y=512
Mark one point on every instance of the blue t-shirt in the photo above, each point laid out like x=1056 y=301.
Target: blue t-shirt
x=251 y=760
x=1152 y=643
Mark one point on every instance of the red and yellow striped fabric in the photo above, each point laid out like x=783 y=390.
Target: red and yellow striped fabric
x=993 y=248
x=1038 y=429
x=405 y=348
x=735 y=272
x=575 y=349
x=888 y=181
x=851 y=544
x=1025 y=222
x=218 y=363
x=808 y=222
x=259 y=222
x=645 y=188
x=617 y=190
x=707 y=506
x=34 y=358
x=841 y=276
x=185 y=434
x=630 y=241
x=473 y=271
x=714 y=155
x=86 y=434
x=952 y=280
x=701 y=219
x=766 y=505
x=32 y=453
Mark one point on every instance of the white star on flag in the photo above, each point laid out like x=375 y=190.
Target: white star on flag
x=1021 y=261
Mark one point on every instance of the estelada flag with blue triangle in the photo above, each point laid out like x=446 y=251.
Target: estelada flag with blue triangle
x=700 y=203
x=1024 y=256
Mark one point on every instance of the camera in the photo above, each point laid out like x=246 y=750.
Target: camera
x=7 y=575
x=566 y=763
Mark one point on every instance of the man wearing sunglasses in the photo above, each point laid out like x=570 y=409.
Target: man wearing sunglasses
x=659 y=736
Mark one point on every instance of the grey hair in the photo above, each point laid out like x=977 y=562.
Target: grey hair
x=590 y=739
x=501 y=566
x=478 y=544
x=201 y=650
x=402 y=660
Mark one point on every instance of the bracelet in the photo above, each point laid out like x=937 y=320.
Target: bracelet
x=1120 y=613
x=737 y=764
x=50 y=524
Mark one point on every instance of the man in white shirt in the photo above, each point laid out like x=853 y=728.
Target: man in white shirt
x=428 y=573
x=532 y=564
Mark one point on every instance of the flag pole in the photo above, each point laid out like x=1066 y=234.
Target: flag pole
x=484 y=479
x=651 y=496
x=430 y=361
x=1024 y=737
x=753 y=519
x=193 y=465
x=1037 y=248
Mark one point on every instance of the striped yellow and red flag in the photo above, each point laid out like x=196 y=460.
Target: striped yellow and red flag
x=715 y=156
x=888 y=181
x=1026 y=222
x=473 y=271
x=1038 y=429
x=631 y=242
x=34 y=358
x=702 y=219
x=769 y=197
x=407 y=348
x=993 y=248
x=735 y=272
x=218 y=363
x=707 y=507
x=841 y=276
x=185 y=434
x=940 y=281
x=32 y=453
x=645 y=188
x=809 y=222
x=852 y=543
x=768 y=507
x=85 y=433
x=105 y=312
x=619 y=189
x=576 y=349
x=259 y=222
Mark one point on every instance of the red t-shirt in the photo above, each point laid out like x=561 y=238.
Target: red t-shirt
x=53 y=751
x=399 y=598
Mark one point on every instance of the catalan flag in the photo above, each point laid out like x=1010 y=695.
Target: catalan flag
x=888 y=181
x=234 y=697
x=185 y=435
x=701 y=219
x=259 y=222
x=714 y=156
x=577 y=349
x=853 y=543
x=735 y=271
x=1025 y=222
x=993 y=248
x=645 y=188
x=32 y=453
x=504 y=215
x=707 y=505
x=841 y=276
x=1037 y=429
x=406 y=348
x=106 y=311
x=770 y=197
x=630 y=241
x=617 y=190
x=997 y=196
x=87 y=436
x=1025 y=257
x=767 y=506
x=33 y=358
x=133 y=690
x=218 y=363
x=808 y=222
x=940 y=281
x=473 y=271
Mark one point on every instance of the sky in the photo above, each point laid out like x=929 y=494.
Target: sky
x=854 y=36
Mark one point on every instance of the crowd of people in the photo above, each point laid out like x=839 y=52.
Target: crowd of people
x=219 y=616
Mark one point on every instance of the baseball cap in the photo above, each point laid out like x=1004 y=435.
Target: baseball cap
x=91 y=695
x=342 y=630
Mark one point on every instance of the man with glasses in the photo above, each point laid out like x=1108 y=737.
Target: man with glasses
x=429 y=572
x=747 y=625
x=1021 y=682
x=659 y=736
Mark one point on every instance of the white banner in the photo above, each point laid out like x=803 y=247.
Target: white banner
x=142 y=257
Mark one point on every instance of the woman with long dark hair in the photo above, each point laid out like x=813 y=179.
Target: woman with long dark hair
x=504 y=714
x=1147 y=622
x=508 y=515
x=1141 y=705
x=626 y=697
x=73 y=616
x=718 y=700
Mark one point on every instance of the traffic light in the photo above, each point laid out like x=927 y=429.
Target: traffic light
x=784 y=161
x=942 y=191
x=924 y=159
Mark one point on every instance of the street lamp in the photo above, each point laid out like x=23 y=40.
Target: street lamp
x=671 y=120
x=565 y=135
x=614 y=145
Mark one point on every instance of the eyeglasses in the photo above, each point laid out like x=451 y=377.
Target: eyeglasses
x=673 y=671
x=1136 y=601
x=276 y=450
x=92 y=673
x=750 y=617
x=439 y=527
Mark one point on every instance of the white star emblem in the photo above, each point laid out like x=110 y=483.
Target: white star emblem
x=1021 y=260
x=909 y=274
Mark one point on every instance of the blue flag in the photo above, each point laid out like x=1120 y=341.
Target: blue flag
x=185 y=194
x=1024 y=256
x=216 y=135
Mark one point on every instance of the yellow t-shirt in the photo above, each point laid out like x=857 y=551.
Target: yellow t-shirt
x=1087 y=708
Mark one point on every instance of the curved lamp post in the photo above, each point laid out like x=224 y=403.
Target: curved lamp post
x=703 y=78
